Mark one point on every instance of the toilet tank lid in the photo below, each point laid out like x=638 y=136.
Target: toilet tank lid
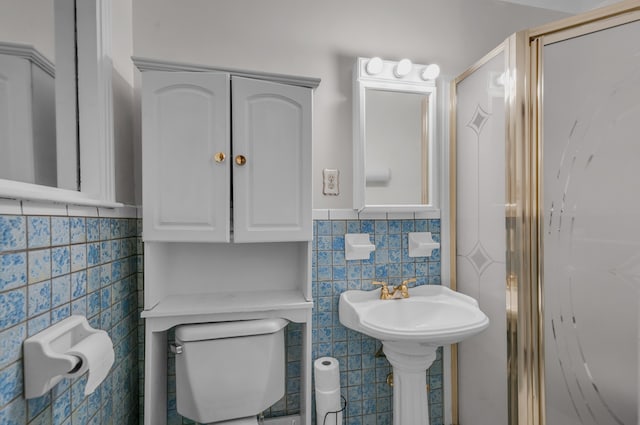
x=219 y=330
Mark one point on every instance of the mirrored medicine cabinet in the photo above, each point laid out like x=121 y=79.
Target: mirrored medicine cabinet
x=394 y=115
x=37 y=89
x=56 y=125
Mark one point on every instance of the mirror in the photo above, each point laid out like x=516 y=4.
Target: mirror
x=394 y=116
x=38 y=122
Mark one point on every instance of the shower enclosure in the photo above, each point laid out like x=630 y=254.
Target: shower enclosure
x=546 y=165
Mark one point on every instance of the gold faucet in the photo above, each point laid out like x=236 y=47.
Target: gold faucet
x=384 y=292
x=400 y=291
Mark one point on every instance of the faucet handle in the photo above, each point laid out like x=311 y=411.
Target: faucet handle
x=406 y=282
x=384 y=292
x=404 y=290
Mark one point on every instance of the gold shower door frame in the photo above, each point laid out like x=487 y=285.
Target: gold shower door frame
x=601 y=19
x=516 y=207
x=524 y=283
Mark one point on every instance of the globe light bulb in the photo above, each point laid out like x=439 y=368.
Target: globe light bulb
x=402 y=68
x=430 y=72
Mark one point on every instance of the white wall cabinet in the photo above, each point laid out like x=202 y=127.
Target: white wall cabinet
x=226 y=158
x=194 y=171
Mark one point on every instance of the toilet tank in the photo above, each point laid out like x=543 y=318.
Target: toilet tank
x=229 y=370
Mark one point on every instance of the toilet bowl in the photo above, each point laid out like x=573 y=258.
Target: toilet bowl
x=229 y=372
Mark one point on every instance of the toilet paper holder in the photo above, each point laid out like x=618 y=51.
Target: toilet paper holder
x=46 y=358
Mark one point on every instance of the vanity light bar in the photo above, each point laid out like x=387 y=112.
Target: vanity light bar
x=404 y=69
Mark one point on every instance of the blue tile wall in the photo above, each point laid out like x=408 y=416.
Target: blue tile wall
x=55 y=266
x=363 y=375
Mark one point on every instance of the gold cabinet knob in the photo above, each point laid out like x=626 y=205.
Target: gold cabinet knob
x=241 y=160
x=219 y=157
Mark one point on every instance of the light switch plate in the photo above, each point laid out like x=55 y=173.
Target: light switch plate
x=330 y=181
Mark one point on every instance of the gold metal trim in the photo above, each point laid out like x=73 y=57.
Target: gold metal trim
x=517 y=178
x=591 y=27
x=584 y=23
x=482 y=61
x=522 y=228
x=535 y=92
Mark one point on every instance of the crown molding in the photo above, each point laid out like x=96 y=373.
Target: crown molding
x=30 y=53
x=145 y=64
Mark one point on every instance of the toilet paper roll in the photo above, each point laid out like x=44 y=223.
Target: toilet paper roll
x=327 y=374
x=327 y=389
x=95 y=354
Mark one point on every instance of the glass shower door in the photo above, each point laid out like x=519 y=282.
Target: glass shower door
x=480 y=243
x=590 y=228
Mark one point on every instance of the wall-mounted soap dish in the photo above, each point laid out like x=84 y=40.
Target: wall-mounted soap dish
x=357 y=246
x=421 y=244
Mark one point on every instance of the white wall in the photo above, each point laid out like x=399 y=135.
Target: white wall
x=322 y=39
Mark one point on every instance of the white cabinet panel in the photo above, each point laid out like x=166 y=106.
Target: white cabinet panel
x=272 y=190
x=186 y=192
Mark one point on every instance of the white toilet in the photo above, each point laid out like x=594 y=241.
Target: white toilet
x=229 y=372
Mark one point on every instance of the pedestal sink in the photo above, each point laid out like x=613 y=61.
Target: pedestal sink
x=411 y=329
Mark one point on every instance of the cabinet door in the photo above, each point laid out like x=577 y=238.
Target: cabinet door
x=185 y=123
x=272 y=189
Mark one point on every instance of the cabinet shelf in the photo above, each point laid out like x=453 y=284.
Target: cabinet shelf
x=228 y=303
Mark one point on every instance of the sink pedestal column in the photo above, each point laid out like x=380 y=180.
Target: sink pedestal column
x=410 y=362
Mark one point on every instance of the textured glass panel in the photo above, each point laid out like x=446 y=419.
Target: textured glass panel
x=480 y=244
x=591 y=244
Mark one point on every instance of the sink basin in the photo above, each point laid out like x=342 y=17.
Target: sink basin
x=411 y=329
x=433 y=315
